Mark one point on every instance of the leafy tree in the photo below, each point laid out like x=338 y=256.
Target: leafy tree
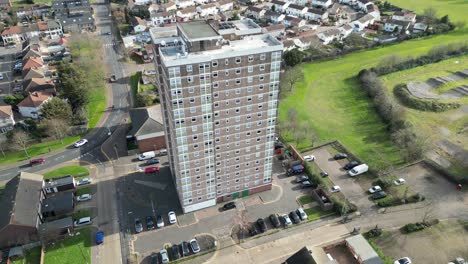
x=80 y=116
x=273 y=8
x=445 y=19
x=235 y=17
x=20 y=140
x=74 y=86
x=13 y=99
x=146 y=99
x=293 y=57
x=356 y=41
x=56 y=108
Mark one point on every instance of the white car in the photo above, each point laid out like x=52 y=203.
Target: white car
x=335 y=189
x=80 y=143
x=164 y=257
x=400 y=181
x=375 y=189
x=1 y=76
x=404 y=260
x=309 y=158
x=194 y=245
x=172 y=217
x=84 y=181
x=286 y=220
x=84 y=197
x=301 y=214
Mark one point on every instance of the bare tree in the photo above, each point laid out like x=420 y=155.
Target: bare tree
x=431 y=14
x=56 y=128
x=21 y=141
x=3 y=147
x=428 y=212
x=290 y=78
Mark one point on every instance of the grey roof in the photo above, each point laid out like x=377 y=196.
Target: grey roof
x=295 y=6
x=55 y=225
x=404 y=24
x=77 y=20
x=61 y=201
x=20 y=200
x=316 y=11
x=303 y=256
x=362 y=248
x=59 y=181
x=198 y=29
x=144 y=121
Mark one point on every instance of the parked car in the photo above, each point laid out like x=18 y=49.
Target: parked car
x=228 y=206
x=172 y=217
x=150 y=170
x=162 y=152
x=309 y=158
x=84 y=181
x=294 y=217
x=308 y=184
x=83 y=221
x=37 y=161
x=351 y=165
x=175 y=253
x=339 y=156
x=138 y=225
x=155 y=259
x=164 y=256
x=152 y=161
x=374 y=189
x=194 y=246
x=301 y=213
x=11 y=46
x=262 y=225
x=296 y=169
x=335 y=189
x=80 y=143
x=99 y=237
x=323 y=174
x=1 y=76
x=301 y=178
x=84 y=197
x=287 y=222
x=147 y=155
x=379 y=195
x=404 y=260
x=159 y=221
x=184 y=247
x=400 y=181
x=274 y=220
x=358 y=170
x=149 y=223
x=254 y=230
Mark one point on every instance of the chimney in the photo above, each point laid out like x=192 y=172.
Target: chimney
x=36 y=94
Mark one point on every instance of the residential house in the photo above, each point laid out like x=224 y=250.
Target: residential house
x=279 y=6
x=168 y=7
x=303 y=43
x=161 y=18
x=139 y=25
x=142 y=2
x=33 y=62
x=201 y=2
x=346 y=30
x=363 y=22
x=348 y=2
x=288 y=45
x=225 y=5
x=7 y=120
x=322 y=3
x=419 y=27
x=329 y=35
x=277 y=30
x=5 y=3
x=57 y=205
x=404 y=15
x=301 y=2
x=32 y=104
x=154 y=8
x=362 y=250
x=255 y=12
x=290 y=21
x=59 y=184
x=207 y=10
x=184 y=3
x=374 y=11
x=148 y=128
x=396 y=26
x=68 y=8
x=274 y=17
x=50 y=29
x=36 y=10
x=187 y=14
x=77 y=23
x=33 y=73
x=296 y=10
x=349 y=14
x=12 y=34
x=20 y=203
x=362 y=4
x=334 y=11
x=38 y=85
x=55 y=230
x=317 y=15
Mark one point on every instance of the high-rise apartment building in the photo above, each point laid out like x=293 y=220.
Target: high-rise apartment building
x=218 y=86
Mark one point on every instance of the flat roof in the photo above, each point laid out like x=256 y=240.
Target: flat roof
x=194 y=30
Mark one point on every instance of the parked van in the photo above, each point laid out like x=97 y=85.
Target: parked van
x=360 y=169
x=83 y=221
x=162 y=152
x=147 y=155
x=296 y=169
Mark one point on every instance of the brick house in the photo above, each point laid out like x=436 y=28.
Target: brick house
x=148 y=128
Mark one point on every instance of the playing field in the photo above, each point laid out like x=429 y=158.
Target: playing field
x=456 y=9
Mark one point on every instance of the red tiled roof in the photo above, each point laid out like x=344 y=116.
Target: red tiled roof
x=34 y=99
x=5 y=111
x=11 y=30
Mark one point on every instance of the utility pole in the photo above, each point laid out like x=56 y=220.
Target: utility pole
x=116 y=152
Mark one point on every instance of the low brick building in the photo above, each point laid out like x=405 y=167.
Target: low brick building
x=148 y=128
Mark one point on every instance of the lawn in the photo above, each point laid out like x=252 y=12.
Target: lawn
x=83 y=190
x=23 y=3
x=306 y=199
x=331 y=102
x=36 y=150
x=81 y=213
x=455 y=9
x=32 y=256
x=134 y=81
x=76 y=249
x=316 y=212
x=73 y=170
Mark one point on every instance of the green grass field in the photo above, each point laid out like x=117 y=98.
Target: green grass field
x=73 y=170
x=456 y=9
x=316 y=212
x=32 y=256
x=76 y=249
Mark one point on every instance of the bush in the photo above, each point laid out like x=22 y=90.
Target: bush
x=413 y=227
x=429 y=105
x=382 y=183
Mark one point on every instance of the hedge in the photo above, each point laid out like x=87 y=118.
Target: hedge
x=428 y=105
x=410 y=228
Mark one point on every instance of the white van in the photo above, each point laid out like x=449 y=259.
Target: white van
x=83 y=221
x=360 y=169
x=147 y=155
x=162 y=152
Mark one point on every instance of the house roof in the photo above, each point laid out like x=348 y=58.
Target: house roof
x=31 y=53
x=404 y=24
x=303 y=256
x=225 y=2
x=167 y=5
x=188 y=10
x=270 y=13
x=254 y=9
x=32 y=62
x=293 y=19
x=278 y=2
x=160 y=14
x=331 y=32
x=6 y=111
x=20 y=200
x=275 y=27
x=367 y=17
x=288 y=43
x=82 y=19
x=59 y=181
x=295 y=6
x=316 y=11
x=364 y=1
x=61 y=201
x=210 y=5
x=361 y=247
x=33 y=73
x=34 y=99
x=12 y=30
x=52 y=226
x=146 y=120
x=42 y=26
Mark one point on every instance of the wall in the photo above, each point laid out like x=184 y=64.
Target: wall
x=151 y=144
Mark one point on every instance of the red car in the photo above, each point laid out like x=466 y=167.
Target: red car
x=151 y=170
x=38 y=161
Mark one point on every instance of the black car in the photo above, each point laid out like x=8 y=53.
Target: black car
x=184 y=247
x=149 y=223
x=262 y=225
x=339 y=156
x=175 y=252
x=155 y=259
x=323 y=174
x=351 y=165
x=152 y=161
x=379 y=195
x=254 y=230
x=275 y=221
x=228 y=206
x=308 y=184
x=294 y=217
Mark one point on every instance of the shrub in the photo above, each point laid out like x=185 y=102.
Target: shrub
x=429 y=105
x=382 y=183
x=413 y=227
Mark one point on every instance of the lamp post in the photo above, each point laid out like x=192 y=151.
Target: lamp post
x=116 y=152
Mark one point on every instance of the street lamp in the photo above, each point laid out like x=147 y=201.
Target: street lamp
x=116 y=152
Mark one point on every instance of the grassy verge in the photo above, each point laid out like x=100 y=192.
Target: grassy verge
x=316 y=212
x=73 y=170
x=386 y=259
x=81 y=213
x=453 y=8
x=306 y=199
x=32 y=256
x=134 y=81
x=36 y=150
x=76 y=249
x=83 y=190
x=136 y=59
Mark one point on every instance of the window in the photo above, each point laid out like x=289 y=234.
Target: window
x=249 y=108
x=260 y=106
x=260 y=87
x=226 y=62
x=215 y=74
x=237 y=101
x=215 y=63
x=189 y=68
x=249 y=89
x=196 y=146
x=194 y=120
x=261 y=78
x=262 y=56
x=191 y=90
x=195 y=137
x=249 y=79
x=194 y=128
x=251 y=58
x=193 y=110
x=215 y=85
x=262 y=67
x=192 y=100
x=226 y=72
x=250 y=69
x=238 y=71
x=215 y=95
x=238 y=91
x=249 y=99
x=226 y=83
x=189 y=79
x=238 y=60
x=238 y=81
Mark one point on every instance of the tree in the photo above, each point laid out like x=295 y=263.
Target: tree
x=74 y=87
x=290 y=78
x=57 y=108
x=13 y=99
x=146 y=99
x=235 y=17
x=356 y=41
x=80 y=116
x=445 y=19
x=273 y=8
x=431 y=15
x=21 y=140
x=293 y=57
x=4 y=145
x=56 y=128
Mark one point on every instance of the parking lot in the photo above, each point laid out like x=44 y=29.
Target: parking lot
x=7 y=61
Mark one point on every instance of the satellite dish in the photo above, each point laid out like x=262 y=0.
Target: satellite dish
x=163 y=43
x=176 y=41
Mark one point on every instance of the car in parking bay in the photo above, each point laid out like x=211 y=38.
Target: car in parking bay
x=308 y=184
x=194 y=246
x=150 y=170
x=138 y=225
x=351 y=165
x=149 y=223
x=175 y=253
x=84 y=181
x=172 y=217
x=294 y=217
x=253 y=231
x=159 y=221
x=155 y=259
x=99 y=237
x=301 y=213
x=184 y=247
x=301 y=178
x=379 y=195
x=375 y=189
x=151 y=161
x=84 y=197
x=274 y=220
x=262 y=225
x=228 y=206
x=339 y=156
x=164 y=256
x=285 y=218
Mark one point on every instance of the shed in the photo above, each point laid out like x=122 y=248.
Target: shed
x=63 y=183
x=362 y=251
x=55 y=229
x=148 y=128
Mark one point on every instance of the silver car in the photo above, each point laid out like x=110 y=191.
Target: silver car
x=138 y=225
